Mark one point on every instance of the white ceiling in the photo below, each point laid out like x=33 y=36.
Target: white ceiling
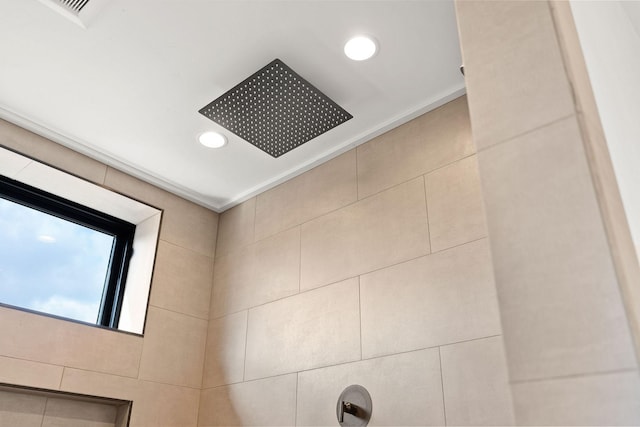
x=127 y=89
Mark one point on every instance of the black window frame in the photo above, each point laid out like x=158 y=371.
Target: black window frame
x=122 y=231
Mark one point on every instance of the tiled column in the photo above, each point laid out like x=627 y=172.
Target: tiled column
x=568 y=343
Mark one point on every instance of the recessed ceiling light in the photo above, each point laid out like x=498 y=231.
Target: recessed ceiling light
x=360 y=48
x=212 y=139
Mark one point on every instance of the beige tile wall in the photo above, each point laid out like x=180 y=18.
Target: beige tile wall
x=468 y=370
x=565 y=326
x=362 y=280
x=162 y=371
x=266 y=402
x=362 y=270
x=22 y=408
x=405 y=389
x=18 y=409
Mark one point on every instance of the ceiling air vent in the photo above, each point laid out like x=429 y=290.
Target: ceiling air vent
x=276 y=110
x=74 y=5
x=78 y=11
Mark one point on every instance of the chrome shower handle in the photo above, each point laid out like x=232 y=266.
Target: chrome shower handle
x=347 y=407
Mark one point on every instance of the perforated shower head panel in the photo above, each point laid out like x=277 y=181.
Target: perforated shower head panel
x=276 y=110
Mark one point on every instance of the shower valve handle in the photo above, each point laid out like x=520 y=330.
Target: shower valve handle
x=349 y=408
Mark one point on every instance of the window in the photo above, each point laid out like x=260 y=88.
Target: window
x=60 y=257
x=94 y=298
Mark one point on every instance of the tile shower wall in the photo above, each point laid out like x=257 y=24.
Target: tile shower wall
x=23 y=409
x=567 y=339
x=373 y=268
x=160 y=372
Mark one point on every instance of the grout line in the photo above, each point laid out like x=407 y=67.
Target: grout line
x=350 y=277
x=25 y=166
x=255 y=217
x=426 y=205
x=104 y=177
x=423 y=173
x=444 y=405
x=246 y=341
x=530 y=131
x=360 y=314
x=44 y=412
x=133 y=379
x=198 y=410
x=469 y=340
x=446 y=165
x=458 y=245
x=204 y=358
x=193 y=251
x=283 y=298
x=573 y=376
x=295 y=407
x=29 y=360
x=358 y=199
x=358 y=361
x=178 y=312
x=253 y=380
x=212 y=276
x=300 y=260
x=206 y=340
x=357 y=177
x=61 y=377
x=88 y=370
x=162 y=239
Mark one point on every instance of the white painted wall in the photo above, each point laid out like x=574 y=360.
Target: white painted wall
x=609 y=33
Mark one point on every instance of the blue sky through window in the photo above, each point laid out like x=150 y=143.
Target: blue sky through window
x=51 y=265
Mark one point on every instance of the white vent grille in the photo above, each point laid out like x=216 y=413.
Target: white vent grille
x=82 y=12
x=73 y=5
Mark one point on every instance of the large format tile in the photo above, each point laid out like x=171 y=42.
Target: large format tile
x=559 y=298
x=476 y=387
x=21 y=410
x=224 y=361
x=75 y=413
x=454 y=204
x=154 y=404
x=236 y=227
x=316 y=328
x=432 y=140
x=439 y=299
x=267 y=402
x=100 y=385
x=51 y=153
x=30 y=374
x=610 y=399
x=405 y=390
x=182 y=280
x=183 y=223
x=174 y=346
x=382 y=230
x=323 y=189
x=262 y=272
x=65 y=343
x=509 y=93
x=165 y=405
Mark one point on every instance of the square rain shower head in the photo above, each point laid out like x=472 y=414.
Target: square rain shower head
x=276 y=110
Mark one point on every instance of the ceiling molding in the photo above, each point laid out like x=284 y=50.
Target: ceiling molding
x=430 y=104
x=84 y=147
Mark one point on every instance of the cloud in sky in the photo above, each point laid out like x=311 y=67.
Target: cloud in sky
x=61 y=306
x=50 y=264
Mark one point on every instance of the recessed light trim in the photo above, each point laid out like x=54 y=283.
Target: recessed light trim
x=212 y=139
x=360 y=48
